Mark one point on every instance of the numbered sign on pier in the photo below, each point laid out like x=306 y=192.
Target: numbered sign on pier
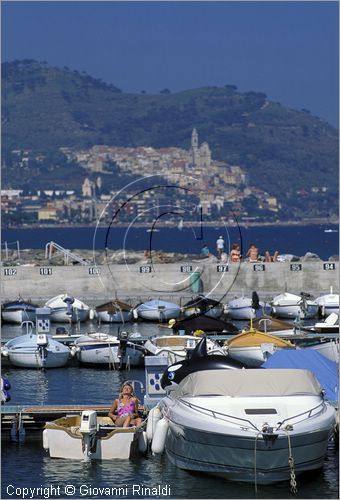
x=10 y=271
x=186 y=269
x=259 y=267
x=45 y=271
x=94 y=270
x=329 y=266
x=145 y=269
x=222 y=268
x=296 y=267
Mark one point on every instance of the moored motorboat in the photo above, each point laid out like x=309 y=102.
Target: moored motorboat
x=246 y=425
x=328 y=303
x=114 y=311
x=253 y=347
x=242 y=308
x=18 y=310
x=202 y=322
x=91 y=437
x=202 y=305
x=107 y=350
x=36 y=351
x=329 y=325
x=289 y=305
x=157 y=310
x=178 y=347
x=65 y=309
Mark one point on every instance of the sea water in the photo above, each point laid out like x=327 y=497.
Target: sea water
x=296 y=240
x=26 y=465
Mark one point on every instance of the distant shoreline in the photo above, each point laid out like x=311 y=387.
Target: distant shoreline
x=310 y=222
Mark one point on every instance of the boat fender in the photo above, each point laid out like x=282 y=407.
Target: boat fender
x=4 y=352
x=159 y=437
x=45 y=440
x=155 y=415
x=74 y=350
x=135 y=314
x=92 y=314
x=142 y=442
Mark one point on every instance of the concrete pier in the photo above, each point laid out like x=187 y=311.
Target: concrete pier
x=139 y=281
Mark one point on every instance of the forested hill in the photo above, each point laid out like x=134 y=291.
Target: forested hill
x=282 y=149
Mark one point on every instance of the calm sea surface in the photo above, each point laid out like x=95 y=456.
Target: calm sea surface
x=296 y=240
x=28 y=465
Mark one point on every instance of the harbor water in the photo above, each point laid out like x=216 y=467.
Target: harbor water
x=26 y=465
x=322 y=240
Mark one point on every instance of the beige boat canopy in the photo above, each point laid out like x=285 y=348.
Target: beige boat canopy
x=249 y=382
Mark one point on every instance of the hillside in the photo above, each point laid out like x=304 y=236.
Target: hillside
x=282 y=150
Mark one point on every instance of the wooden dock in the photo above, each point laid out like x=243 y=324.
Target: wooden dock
x=16 y=420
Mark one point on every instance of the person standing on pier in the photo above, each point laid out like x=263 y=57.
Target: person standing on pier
x=220 y=246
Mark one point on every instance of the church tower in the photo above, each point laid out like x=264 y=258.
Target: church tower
x=194 y=148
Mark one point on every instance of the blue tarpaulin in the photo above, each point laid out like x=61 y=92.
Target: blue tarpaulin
x=326 y=371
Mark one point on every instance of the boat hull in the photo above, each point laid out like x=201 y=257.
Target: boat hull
x=107 y=354
x=252 y=356
x=18 y=316
x=118 y=444
x=232 y=457
x=32 y=359
x=117 y=317
x=63 y=316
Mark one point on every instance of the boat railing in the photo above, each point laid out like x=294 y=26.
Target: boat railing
x=224 y=416
x=307 y=414
x=217 y=414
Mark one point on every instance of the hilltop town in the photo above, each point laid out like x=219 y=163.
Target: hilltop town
x=172 y=178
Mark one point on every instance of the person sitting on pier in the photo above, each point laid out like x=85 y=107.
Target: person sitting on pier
x=235 y=254
x=270 y=258
x=124 y=409
x=253 y=253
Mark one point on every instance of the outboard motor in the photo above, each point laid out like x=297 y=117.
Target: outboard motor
x=123 y=340
x=42 y=343
x=255 y=301
x=69 y=301
x=88 y=429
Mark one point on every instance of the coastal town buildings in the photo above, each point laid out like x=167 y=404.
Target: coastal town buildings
x=167 y=177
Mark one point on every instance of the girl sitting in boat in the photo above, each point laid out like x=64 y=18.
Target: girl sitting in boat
x=124 y=409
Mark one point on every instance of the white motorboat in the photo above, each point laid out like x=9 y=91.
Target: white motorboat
x=114 y=311
x=178 y=347
x=253 y=348
x=157 y=310
x=328 y=348
x=242 y=308
x=18 y=311
x=329 y=325
x=203 y=305
x=289 y=305
x=36 y=351
x=66 y=309
x=102 y=349
x=91 y=437
x=328 y=304
x=250 y=425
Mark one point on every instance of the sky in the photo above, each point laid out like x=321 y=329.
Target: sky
x=289 y=50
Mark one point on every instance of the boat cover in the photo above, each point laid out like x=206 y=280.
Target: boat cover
x=245 y=383
x=204 y=323
x=325 y=370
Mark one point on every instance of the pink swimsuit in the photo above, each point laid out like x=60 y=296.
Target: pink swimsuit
x=125 y=410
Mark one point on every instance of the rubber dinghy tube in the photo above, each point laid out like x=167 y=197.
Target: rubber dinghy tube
x=142 y=442
x=159 y=437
